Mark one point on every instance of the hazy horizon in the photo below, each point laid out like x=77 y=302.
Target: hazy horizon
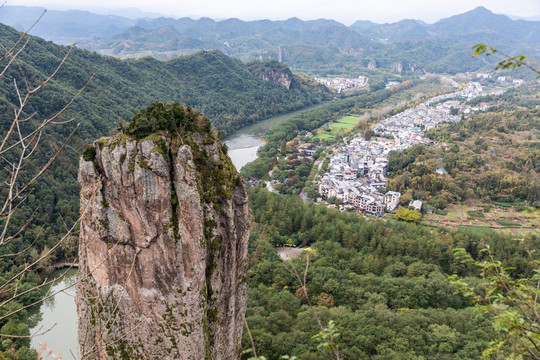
x=344 y=11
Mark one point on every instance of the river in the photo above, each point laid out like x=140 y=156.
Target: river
x=244 y=143
x=59 y=314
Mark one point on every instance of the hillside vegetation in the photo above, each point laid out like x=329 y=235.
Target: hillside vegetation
x=384 y=284
x=224 y=89
x=492 y=156
x=327 y=47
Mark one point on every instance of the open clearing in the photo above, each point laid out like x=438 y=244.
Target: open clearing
x=338 y=125
x=323 y=136
x=288 y=253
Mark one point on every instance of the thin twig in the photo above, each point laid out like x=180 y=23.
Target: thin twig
x=250 y=337
x=303 y=284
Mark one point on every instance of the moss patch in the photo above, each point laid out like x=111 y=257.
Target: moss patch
x=89 y=153
x=102 y=142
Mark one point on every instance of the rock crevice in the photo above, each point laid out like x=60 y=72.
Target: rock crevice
x=163 y=249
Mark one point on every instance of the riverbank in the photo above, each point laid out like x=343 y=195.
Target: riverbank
x=244 y=143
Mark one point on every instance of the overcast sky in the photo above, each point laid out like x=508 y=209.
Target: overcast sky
x=345 y=11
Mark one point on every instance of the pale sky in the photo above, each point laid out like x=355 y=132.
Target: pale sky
x=345 y=11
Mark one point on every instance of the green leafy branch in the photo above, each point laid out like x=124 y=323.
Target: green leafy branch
x=326 y=334
x=509 y=62
x=513 y=302
x=326 y=337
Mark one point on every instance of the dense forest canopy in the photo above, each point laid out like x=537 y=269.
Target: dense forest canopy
x=384 y=283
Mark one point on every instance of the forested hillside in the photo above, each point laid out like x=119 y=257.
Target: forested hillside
x=326 y=47
x=383 y=283
x=221 y=87
x=319 y=47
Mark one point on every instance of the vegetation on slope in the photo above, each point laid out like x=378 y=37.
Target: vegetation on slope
x=492 y=156
x=326 y=47
x=224 y=89
x=384 y=283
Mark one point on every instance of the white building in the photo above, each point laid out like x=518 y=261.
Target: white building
x=392 y=196
x=416 y=205
x=441 y=171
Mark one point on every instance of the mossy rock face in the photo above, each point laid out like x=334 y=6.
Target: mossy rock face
x=171 y=214
x=162 y=117
x=89 y=153
x=102 y=142
x=184 y=126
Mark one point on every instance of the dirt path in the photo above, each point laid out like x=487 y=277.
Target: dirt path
x=463 y=217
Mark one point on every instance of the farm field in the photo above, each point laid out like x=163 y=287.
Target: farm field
x=323 y=136
x=343 y=124
x=339 y=125
x=477 y=219
x=349 y=120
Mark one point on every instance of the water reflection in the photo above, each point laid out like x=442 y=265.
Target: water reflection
x=59 y=314
x=243 y=148
x=244 y=143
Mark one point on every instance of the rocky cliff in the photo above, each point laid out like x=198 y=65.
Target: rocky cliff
x=163 y=242
x=276 y=77
x=272 y=71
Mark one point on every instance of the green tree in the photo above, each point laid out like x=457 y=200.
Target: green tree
x=408 y=215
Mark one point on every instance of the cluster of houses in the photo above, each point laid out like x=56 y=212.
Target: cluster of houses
x=357 y=171
x=409 y=126
x=340 y=83
x=484 y=75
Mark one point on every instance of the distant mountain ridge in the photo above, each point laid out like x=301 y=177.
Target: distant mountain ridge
x=63 y=26
x=74 y=24
x=403 y=30
x=477 y=21
x=316 y=46
x=323 y=45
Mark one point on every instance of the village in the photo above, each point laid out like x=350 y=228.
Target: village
x=357 y=171
x=340 y=83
